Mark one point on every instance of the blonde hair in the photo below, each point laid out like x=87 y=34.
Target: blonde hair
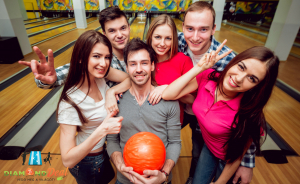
x=161 y=20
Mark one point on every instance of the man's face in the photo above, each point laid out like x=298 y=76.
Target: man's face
x=117 y=31
x=139 y=67
x=197 y=29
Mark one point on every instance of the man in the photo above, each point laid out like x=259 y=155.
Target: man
x=196 y=40
x=163 y=119
x=115 y=27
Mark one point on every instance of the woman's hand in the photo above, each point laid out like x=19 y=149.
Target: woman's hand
x=155 y=95
x=111 y=124
x=111 y=102
x=210 y=59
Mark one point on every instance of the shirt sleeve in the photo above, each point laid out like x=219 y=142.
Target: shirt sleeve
x=61 y=73
x=68 y=114
x=173 y=127
x=249 y=157
x=113 y=143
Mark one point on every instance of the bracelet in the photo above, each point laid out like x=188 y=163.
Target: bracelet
x=165 y=173
x=167 y=176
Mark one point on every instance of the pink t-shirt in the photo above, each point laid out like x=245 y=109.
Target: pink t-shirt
x=214 y=119
x=168 y=71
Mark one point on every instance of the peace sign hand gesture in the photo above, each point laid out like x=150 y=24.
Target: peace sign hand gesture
x=210 y=59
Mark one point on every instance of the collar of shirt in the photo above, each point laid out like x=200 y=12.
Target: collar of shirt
x=233 y=103
x=115 y=63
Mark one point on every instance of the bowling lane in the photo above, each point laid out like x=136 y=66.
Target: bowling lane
x=44 y=22
x=137 y=27
x=6 y=70
x=255 y=36
x=178 y=24
x=262 y=30
x=48 y=34
x=33 y=20
x=43 y=27
x=17 y=102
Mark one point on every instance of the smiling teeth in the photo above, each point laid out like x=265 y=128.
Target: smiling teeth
x=232 y=82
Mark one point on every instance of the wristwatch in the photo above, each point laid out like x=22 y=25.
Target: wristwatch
x=167 y=177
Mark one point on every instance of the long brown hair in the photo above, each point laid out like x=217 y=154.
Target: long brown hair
x=161 y=20
x=249 y=121
x=79 y=67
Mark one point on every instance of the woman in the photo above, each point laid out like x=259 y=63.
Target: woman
x=229 y=107
x=162 y=36
x=81 y=109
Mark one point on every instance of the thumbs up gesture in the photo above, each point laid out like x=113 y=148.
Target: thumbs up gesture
x=111 y=124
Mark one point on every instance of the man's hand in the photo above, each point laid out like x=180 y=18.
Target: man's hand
x=43 y=71
x=149 y=177
x=125 y=171
x=244 y=173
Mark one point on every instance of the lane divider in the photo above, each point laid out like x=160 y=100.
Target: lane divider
x=49 y=29
x=58 y=35
x=39 y=20
x=47 y=23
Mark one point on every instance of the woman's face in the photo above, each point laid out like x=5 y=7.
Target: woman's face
x=244 y=76
x=98 y=61
x=162 y=40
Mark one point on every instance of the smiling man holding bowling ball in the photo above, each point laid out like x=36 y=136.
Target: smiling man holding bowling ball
x=163 y=119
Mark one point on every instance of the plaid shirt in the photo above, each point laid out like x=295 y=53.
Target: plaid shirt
x=249 y=158
x=62 y=73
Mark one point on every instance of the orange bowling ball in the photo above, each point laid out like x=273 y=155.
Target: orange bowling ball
x=144 y=151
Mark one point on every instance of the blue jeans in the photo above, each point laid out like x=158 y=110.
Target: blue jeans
x=208 y=167
x=93 y=169
x=197 y=140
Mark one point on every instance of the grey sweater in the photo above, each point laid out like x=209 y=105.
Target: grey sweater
x=162 y=119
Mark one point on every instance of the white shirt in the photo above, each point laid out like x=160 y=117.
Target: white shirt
x=94 y=112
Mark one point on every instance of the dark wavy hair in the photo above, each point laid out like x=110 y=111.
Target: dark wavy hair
x=249 y=121
x=135 y=45
x=110 y=13
x=79 y=67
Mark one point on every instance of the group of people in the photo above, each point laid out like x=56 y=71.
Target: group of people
x=115 y=88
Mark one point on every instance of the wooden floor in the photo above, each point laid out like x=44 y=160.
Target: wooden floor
x=54 y=32
x=137 y=28
x=43 y=27
x=11 y=104
x=282 y=113
x=255 y=36
x=7 y=70
x=44 y=22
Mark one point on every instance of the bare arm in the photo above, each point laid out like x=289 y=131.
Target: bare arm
x=110 y=99
x=72 y=154
x=183 y=85
x=187 y=99
x=117 y=159
x=230 y=168
x=187 y=83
